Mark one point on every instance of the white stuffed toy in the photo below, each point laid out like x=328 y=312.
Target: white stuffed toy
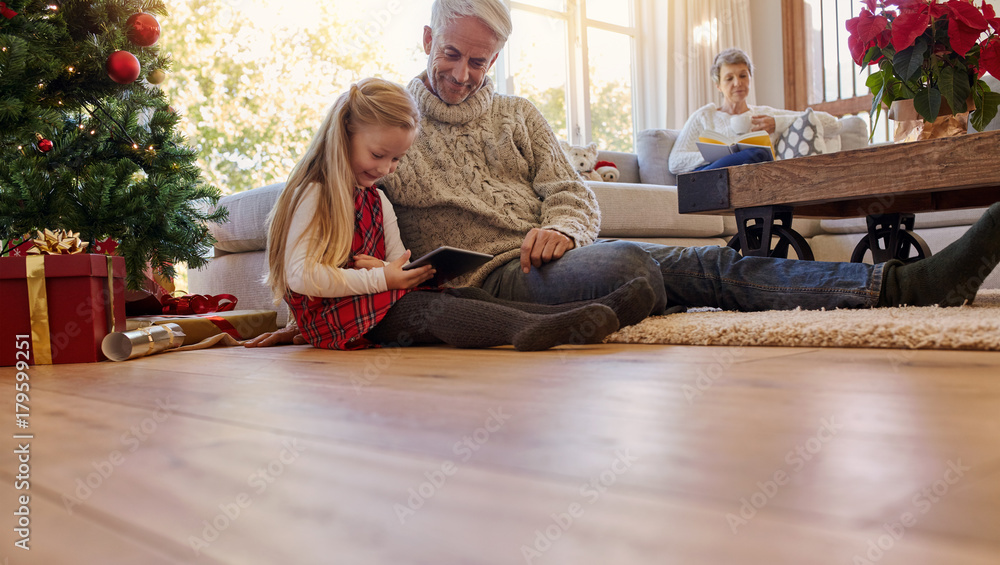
x=583 y=159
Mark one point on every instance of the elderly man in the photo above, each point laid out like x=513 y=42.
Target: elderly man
x=486 y=173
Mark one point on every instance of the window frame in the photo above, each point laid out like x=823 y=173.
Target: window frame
x=579 y=124
x=793 y=28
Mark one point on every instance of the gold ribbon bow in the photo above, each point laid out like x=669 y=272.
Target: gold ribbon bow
x=59 y=242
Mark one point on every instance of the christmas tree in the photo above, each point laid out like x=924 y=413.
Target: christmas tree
x=88 y=142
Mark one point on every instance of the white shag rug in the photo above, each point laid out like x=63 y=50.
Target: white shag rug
x=975 y=326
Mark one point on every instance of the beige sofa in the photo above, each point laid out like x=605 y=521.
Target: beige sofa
x=642 y=206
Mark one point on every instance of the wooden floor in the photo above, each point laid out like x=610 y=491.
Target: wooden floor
x=608 y=454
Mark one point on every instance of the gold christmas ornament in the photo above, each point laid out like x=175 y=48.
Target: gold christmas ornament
x=59 y=242
x=157 y=76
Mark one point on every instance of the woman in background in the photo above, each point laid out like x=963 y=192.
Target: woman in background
x=731 y=72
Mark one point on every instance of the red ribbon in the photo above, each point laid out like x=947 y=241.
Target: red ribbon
x=220 y=322
x=198 y=304
x=6 y=12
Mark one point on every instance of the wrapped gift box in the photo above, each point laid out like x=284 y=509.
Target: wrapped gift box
x=241 y=324
x=73 y=313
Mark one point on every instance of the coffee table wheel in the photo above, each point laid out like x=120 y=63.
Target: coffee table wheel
x=910 y=247
x=786 y=238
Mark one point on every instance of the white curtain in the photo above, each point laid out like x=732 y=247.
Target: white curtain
x=699 y=29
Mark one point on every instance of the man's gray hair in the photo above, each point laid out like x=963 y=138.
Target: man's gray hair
x=493 y=13
x=731 y=56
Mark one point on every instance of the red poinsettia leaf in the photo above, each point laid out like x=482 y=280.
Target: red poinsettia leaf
x=967 y=14
x=884 y=38
x=857 y=48
x=938 y=10
x=907 y=27
x=871 y=4
x=961 y=36
x=869 y=26
x=989 y=57
x=991 y=17
x=852 y=25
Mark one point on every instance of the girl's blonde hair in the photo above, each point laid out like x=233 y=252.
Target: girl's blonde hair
x=327 y=162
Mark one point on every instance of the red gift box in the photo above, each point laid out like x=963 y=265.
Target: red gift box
x=76 y=306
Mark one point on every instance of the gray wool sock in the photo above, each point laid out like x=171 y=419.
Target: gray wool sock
x=431 y=317
x=586 y=324
x=948 y=278
x=632 y=302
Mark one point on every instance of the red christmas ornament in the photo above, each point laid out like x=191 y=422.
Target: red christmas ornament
x=143 y=29
x=45 y=145
x=123 y=67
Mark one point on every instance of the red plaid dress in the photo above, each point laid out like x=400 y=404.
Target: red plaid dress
x=340 y=323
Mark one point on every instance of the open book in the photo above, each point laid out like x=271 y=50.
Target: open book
x=714 y=145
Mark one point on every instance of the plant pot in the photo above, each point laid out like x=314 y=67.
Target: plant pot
x=910 y=126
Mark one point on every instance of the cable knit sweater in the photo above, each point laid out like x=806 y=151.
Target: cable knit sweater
x=483 y=173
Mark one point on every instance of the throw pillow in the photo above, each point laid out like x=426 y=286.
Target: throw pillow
x=804 y=137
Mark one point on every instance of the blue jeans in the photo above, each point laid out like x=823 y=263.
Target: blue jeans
x=742 y=157
x=691 y=276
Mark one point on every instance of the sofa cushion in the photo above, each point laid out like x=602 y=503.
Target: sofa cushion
x=246 y=229
x=853 y=134
x=926 y=220
x=640 y=210
x=652 y=147
x=803 y=138
x=627 y=163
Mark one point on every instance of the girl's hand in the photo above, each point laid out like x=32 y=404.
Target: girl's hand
x=362 y=261
x=281 y=337
x=396 y=278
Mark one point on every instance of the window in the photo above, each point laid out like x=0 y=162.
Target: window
x=575 y=60
x=823 y=74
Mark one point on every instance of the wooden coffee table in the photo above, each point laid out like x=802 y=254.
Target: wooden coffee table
x=885 y=183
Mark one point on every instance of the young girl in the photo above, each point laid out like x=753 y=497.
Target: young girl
x=336 y=258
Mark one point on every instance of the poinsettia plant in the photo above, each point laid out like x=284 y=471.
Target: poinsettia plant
x=930 y=51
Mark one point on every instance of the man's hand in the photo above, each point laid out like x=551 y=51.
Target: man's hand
x=541 y=246
x=283 y=336
x=762 y=123
x=397 y=278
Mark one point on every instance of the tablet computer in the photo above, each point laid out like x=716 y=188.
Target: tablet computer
x=449 y=262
